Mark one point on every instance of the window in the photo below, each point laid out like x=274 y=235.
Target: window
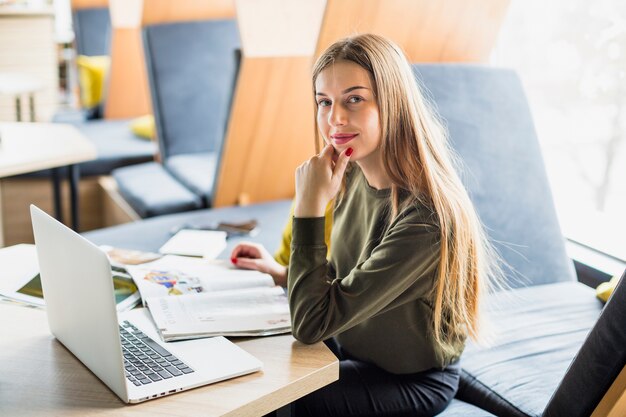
x=571 y=57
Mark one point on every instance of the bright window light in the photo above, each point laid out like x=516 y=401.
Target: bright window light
x=571 y=57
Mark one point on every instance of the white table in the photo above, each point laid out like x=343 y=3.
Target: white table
x=30 y=147
x=17 y=84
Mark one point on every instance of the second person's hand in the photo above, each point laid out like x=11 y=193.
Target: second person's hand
x=248 y=255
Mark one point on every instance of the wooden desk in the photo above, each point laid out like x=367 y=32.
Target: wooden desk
x=30 y=147
x=39 y=377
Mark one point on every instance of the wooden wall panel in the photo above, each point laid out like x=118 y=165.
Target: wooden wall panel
x=88 y=4
x=613 y=404
x=271 y=126
x=427 y=30
x=128 y=91
x=161 y=11
x=273 y=28
x=271 y=131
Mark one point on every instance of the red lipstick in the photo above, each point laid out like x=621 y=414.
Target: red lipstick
x=343 y=138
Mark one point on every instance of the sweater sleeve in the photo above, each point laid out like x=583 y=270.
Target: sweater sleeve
x=284 y=251
x=399 y=269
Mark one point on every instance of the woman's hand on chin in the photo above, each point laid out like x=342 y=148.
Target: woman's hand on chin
x=318 y=181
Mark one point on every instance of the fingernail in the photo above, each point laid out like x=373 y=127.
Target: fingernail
x=349 y=152
x=234 y=260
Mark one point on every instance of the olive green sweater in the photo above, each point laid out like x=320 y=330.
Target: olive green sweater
x=374 y=294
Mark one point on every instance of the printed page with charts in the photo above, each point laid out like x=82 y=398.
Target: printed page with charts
x=191 y=298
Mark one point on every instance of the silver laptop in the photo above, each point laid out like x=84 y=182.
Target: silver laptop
x=123 y=350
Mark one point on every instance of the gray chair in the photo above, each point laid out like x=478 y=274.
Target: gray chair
x=192 y=69
x=556 y=354
x=192 y=102
x=540 y=328
x=491 y=130
x=92 y=31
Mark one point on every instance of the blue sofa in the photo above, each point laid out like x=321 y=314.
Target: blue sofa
x=541 y=321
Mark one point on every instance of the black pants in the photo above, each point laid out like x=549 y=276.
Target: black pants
x=366 y=390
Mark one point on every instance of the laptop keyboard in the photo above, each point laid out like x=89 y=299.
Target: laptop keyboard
x=145 y=360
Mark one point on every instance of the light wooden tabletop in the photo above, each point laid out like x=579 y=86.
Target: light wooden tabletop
x=39 y=377
x=29 y=147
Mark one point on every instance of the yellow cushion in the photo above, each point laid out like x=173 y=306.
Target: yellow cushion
x=92 y=73
x=284 y=251
x=604 y=290
x=144 y=127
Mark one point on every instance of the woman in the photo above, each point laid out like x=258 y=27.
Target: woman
x=409 y=260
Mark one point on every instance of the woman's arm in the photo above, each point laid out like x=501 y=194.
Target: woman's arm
x=283 y=252
x=400 y=269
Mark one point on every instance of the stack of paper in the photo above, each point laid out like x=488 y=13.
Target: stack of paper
x=204 y=243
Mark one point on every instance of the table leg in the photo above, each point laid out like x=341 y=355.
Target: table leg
x=31 y=105
x=18 y=109
x=56 y=192
x=74 y=179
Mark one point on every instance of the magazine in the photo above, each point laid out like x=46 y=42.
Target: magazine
x=191 y=298
x=22 y=283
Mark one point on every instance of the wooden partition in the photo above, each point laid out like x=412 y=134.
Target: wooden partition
x=128 y=94
x=271 y=129
x=427 y=30
x=88 y=4
x=271 y=124
x=163 y=11
x=128 y=88
x=613 y=404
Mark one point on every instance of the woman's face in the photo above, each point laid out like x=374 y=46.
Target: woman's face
x=347 y=112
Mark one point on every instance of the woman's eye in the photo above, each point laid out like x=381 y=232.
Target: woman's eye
x=323 y=103
x=355 y=99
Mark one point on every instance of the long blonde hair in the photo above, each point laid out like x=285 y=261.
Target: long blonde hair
x=417 y=158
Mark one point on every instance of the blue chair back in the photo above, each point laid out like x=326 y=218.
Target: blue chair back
x=491 y=129
x=92 y=29
x=192 y=69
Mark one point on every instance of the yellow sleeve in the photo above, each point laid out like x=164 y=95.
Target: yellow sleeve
x=284 y=251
